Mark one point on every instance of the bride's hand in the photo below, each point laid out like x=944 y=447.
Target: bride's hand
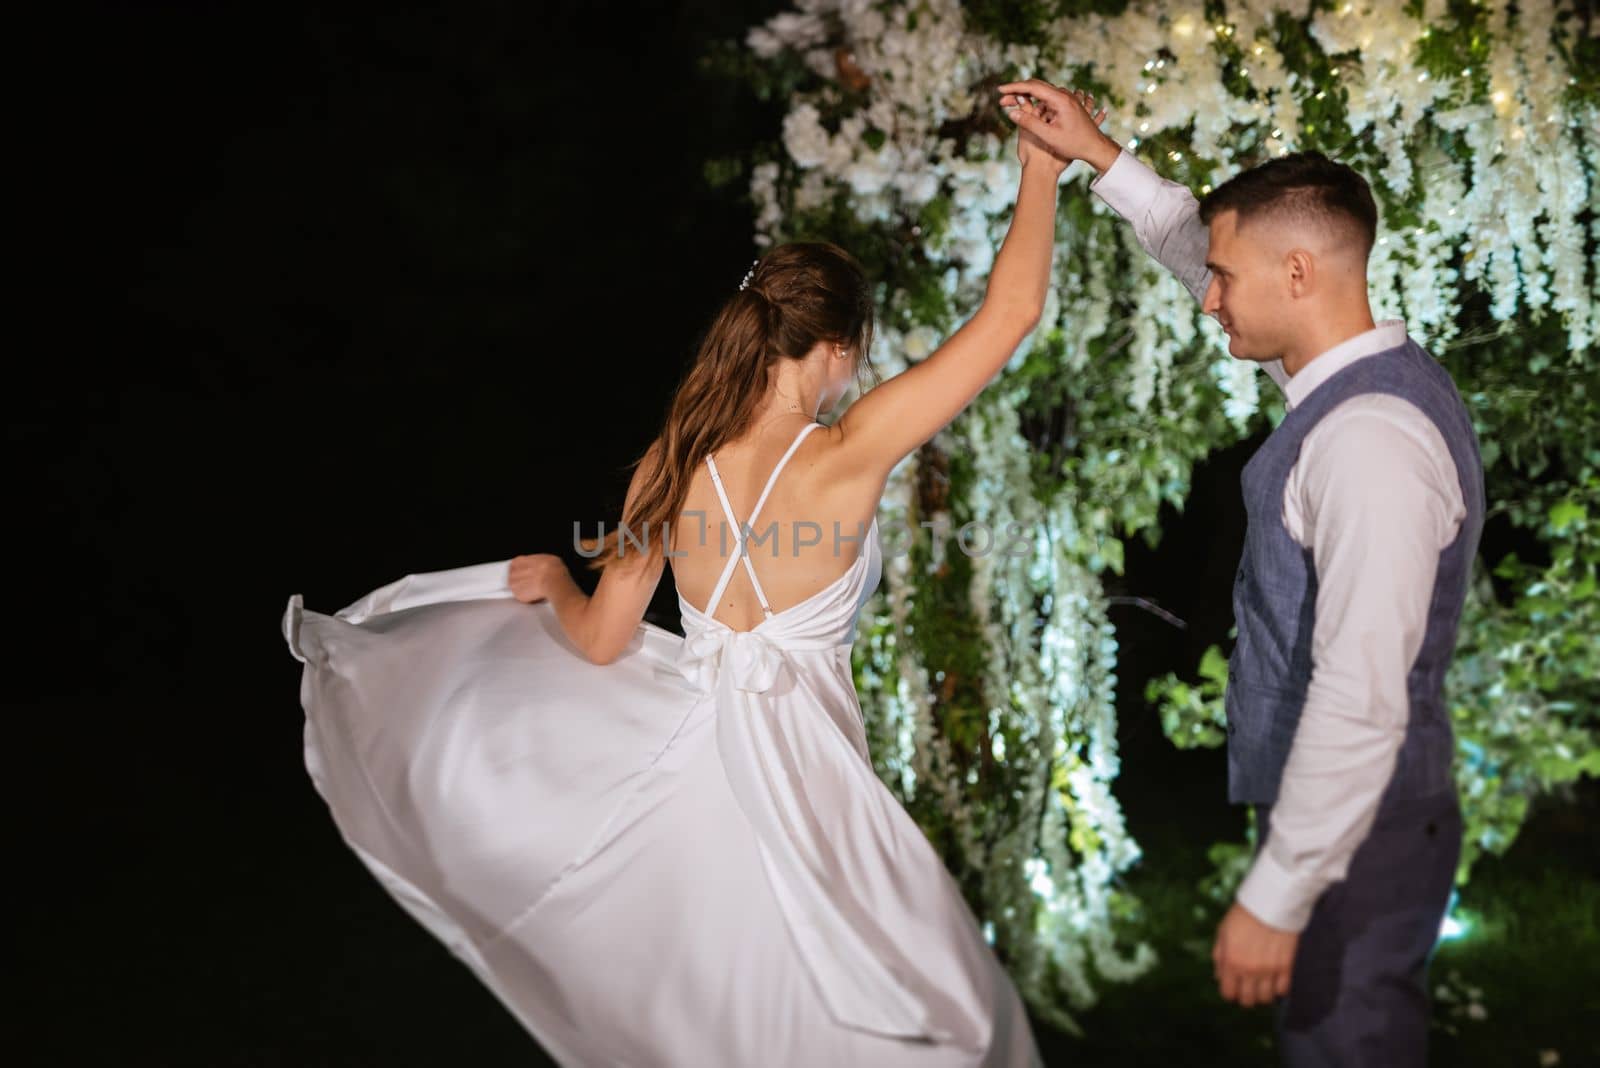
x=1031 y=151
x=531 y=576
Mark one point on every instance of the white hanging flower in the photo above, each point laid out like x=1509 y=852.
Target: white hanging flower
x=803 y=136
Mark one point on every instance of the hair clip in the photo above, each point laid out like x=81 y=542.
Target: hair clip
x=751 y=273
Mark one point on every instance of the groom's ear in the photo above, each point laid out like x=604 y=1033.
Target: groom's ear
x=1300 y=272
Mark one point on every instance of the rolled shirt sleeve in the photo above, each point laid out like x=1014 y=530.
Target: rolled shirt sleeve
x=1376 y=498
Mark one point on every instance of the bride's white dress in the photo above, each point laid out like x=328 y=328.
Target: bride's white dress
x=679 y=858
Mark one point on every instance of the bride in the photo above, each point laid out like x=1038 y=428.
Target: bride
x=674 y=851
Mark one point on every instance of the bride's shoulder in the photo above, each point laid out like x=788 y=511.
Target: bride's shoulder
x=832 y=466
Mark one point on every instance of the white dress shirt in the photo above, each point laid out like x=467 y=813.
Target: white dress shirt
x=1376 y=498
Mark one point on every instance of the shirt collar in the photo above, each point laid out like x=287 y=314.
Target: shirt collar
x=1388 y=334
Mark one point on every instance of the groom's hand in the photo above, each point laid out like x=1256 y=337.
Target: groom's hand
x=1253 y=961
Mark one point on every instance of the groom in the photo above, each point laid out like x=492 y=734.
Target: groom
x=1364 y=508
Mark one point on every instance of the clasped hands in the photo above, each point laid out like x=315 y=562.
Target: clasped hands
x=1064 y=122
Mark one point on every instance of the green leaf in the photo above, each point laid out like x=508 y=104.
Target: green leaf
x=1565 y=514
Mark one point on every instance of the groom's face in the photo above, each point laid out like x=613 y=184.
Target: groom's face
x=1246 y=292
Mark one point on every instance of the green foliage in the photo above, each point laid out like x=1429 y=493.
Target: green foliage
x=1028 y=21
x=1192 y=714
x=1525 y=685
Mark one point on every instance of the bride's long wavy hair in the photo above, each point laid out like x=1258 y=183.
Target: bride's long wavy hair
x=797 y=295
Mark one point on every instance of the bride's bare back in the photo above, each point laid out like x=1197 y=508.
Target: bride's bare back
x=793 y=548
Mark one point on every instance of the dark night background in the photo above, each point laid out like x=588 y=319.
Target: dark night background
x=350 y=296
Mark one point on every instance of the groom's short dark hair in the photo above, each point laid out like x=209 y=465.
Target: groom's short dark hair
x=1305 y=185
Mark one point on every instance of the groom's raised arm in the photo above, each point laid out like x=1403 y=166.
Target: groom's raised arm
x=1166 y=220
x=1165 y=215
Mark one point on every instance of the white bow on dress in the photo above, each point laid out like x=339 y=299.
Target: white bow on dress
x=754 y=661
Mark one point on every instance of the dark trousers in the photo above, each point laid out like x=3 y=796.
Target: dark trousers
x=1358 y=997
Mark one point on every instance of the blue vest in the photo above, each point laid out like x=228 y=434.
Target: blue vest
x=1275 y=594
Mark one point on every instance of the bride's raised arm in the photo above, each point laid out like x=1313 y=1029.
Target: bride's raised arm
x=892 y=420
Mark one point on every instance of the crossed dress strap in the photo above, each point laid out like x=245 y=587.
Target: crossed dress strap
x=727 y=570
